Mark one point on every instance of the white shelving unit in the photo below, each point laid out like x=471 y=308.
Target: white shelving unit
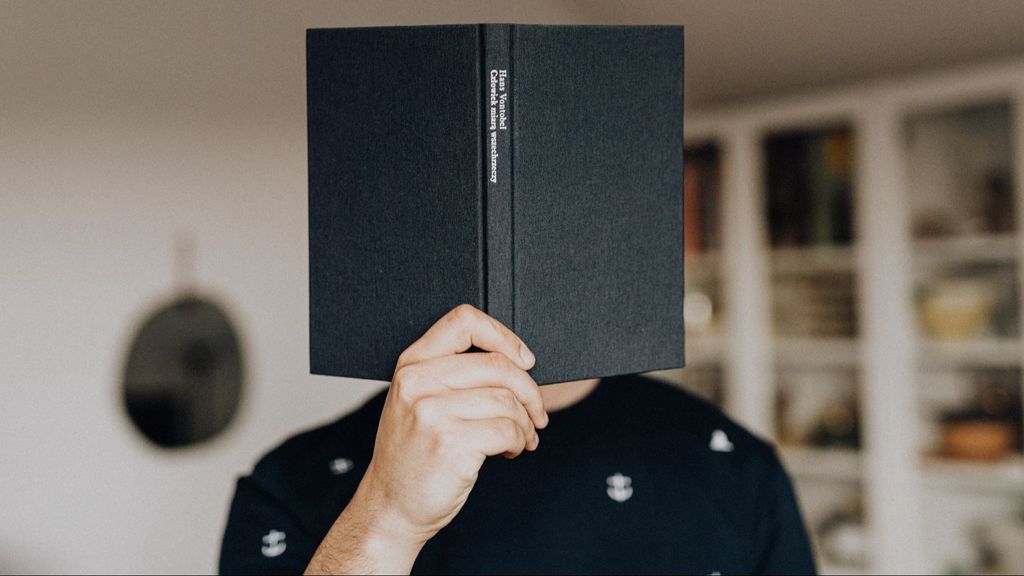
x=897 y=483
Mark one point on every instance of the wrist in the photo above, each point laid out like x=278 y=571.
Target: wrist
x=384 y=522
x=388 y=534
x=368 y=537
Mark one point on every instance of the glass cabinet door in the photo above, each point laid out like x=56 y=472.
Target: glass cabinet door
x=966 y=250
x=808 y=188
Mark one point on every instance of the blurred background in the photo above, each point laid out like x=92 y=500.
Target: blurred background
x=853 y=256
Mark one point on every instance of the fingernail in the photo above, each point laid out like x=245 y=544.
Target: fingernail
x=525 y=355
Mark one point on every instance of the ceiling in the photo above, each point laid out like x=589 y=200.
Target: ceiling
x=744 y=49
x=194 y=57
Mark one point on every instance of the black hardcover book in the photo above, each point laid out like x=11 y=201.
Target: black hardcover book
x=532 y=171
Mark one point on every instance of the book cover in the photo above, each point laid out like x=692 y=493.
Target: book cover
x=535 y=172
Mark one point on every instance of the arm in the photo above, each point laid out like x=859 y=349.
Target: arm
x=446 y=411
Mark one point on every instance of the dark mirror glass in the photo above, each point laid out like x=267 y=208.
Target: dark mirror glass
x=183 y=378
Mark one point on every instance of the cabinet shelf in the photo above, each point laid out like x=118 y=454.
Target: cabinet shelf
x=703 y=350
x=988 y=353
x=830 y=569
x=819 y=352
x=806 y=463
x=943 y=252
x=1005 y=476
x=702 y=264
x=812 y=260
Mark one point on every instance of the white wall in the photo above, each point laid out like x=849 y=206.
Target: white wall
x=122 y=127
x=119 y=129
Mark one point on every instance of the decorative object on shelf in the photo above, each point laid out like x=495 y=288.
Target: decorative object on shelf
x=842 y=537
x=838 y=426
x=986 y=429
x=960 y=162
x=698 y=312
x=999 y=544
x=977 y=439
x=999 y=203
x=934 y=224
x=957 y=309
x=786 y=430
x=702 y=302
x=1008 y=537
x=818 y=408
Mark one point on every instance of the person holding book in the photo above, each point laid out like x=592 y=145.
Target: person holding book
x=559 y=229
x=633 y=476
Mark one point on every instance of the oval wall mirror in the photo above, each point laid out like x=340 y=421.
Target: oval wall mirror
x=183 y=378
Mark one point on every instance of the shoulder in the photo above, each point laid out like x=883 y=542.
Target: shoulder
x=667 y=407
x=281 y=510
x=700 y=436
x=328 y=450
x=322 y=464
x=739 y=474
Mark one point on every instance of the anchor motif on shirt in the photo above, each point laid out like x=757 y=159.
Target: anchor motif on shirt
x=620 y=488
x=273 y=544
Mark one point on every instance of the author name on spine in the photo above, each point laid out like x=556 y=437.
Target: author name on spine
x=498 y=117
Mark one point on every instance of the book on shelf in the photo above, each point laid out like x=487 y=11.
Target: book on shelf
x=701 y=179
x=809 y=187
x=534 y=172
x=691 y=209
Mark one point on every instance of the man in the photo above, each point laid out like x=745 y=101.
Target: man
x=632 y=476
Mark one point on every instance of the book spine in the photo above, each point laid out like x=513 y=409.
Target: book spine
x=821 y=201
x=498 y=177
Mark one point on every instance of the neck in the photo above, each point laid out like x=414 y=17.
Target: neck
x=564 y=394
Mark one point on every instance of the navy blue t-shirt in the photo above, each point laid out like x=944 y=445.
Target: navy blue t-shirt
x=638 y=477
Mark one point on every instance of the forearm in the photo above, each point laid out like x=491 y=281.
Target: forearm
x=365 y=540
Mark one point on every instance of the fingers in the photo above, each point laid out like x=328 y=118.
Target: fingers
x=461 y=328
x=476 y=370
x=482 y=404
x=494 y=436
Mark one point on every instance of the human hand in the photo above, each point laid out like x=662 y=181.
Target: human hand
x=446 y=411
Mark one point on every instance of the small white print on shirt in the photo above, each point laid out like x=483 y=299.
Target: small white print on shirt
x=720 y=442
x=274 y=544
x=620 y=488
x=340 y=466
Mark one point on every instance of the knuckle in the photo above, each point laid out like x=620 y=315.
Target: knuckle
x=509 y=431
x=512 y=340
x=405 y=381
x=424 y=411
x=401 y=376
x=505 y=400
x=464 y=313
x=403 y=359
x=529 y=388
x=498 y=361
